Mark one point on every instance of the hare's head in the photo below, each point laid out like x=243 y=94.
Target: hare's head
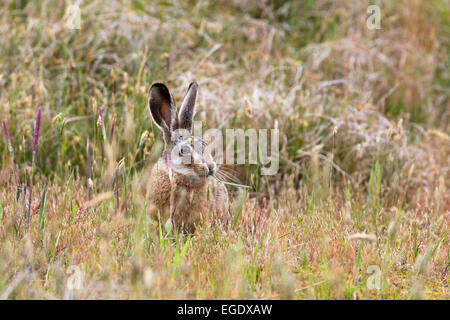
x=186 y=153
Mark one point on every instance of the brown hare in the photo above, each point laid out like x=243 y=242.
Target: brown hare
x=182 y=184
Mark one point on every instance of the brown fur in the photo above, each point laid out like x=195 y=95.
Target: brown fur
x=196 y=193
x=192 y=202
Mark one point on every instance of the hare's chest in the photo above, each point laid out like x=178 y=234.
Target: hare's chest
x=190 y=204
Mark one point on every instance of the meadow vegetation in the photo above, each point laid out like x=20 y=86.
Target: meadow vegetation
x=363 y=185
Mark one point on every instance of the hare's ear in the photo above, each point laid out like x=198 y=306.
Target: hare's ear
x=186 y=115
x=163 y=109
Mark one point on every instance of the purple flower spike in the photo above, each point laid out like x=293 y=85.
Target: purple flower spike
x=111 y=133
x=168 y=160
x=8 y=138
x=36 y=133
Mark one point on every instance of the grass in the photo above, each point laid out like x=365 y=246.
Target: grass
x=364 y=131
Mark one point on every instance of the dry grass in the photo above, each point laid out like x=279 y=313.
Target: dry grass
x=364 y=148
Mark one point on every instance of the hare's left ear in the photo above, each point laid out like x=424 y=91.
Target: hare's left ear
x=163 y=109
x=186 y=114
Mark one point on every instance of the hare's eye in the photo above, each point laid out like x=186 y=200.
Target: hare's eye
x=185 y=150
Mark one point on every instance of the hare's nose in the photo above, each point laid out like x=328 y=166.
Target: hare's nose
x=211 y=168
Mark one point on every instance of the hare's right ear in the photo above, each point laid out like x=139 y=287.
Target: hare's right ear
x=186 y=114
x=163 y=109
